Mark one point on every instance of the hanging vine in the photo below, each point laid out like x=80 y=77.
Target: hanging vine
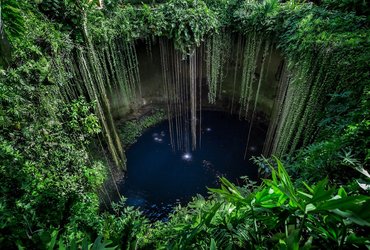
x=218 y=51
x=261 y=78
x=182 y=87
x=95 y=74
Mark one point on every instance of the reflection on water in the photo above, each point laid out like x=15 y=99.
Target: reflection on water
x=159 y=178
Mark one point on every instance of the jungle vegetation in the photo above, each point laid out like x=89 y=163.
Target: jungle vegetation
x=57 y=68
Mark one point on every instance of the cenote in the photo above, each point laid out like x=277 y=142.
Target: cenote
x=158 y=177
x=136 y=124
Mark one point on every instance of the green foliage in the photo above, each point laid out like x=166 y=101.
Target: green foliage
x=12 y=16
x=49 y=182
x=224 y=10
x=343 y=144
x=187 y=22
x=44 y=165
x=43 y=173
x=274 y=215
x=80 y=118
x=132 y=130
x=11 y=24
x=361 y=7
x=59 y=243
x=125 y=227
x=318 y=43
x=257 y=15
x=69 y=13
x=145 y=1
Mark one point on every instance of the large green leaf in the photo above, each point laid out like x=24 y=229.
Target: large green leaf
x=319 y=193
x=53 y=240
x=100 y=244
x=213 y=245
x=352 y=203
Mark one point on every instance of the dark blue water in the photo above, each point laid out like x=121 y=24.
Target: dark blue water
x=158 y=178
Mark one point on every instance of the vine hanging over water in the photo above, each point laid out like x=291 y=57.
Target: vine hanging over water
x=182 y=76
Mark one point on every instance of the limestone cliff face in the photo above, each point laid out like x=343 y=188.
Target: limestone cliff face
x=151 y=81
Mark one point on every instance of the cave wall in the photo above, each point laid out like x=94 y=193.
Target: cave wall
x=152 y=88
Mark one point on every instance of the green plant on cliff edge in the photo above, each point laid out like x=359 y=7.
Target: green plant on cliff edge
x=273 y=215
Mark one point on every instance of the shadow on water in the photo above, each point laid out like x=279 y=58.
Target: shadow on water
x=159 y=178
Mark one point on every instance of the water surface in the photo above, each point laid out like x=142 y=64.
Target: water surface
x=159 y=178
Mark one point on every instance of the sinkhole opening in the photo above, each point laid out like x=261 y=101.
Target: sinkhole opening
x=159 y=178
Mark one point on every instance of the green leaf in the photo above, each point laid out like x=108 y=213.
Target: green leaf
x=293 y=241
x=341 y=192
x=346 y=203
x=53 y=240
x=358 y=240
x=85 y=244
x=308 y=244
x=213 y=245
x=308 y=187
x=352 y=217
x=310 y=207
x=304 y=195
x=62 y=246
x=319 y=192
x=102 y=245
x=204 y=221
